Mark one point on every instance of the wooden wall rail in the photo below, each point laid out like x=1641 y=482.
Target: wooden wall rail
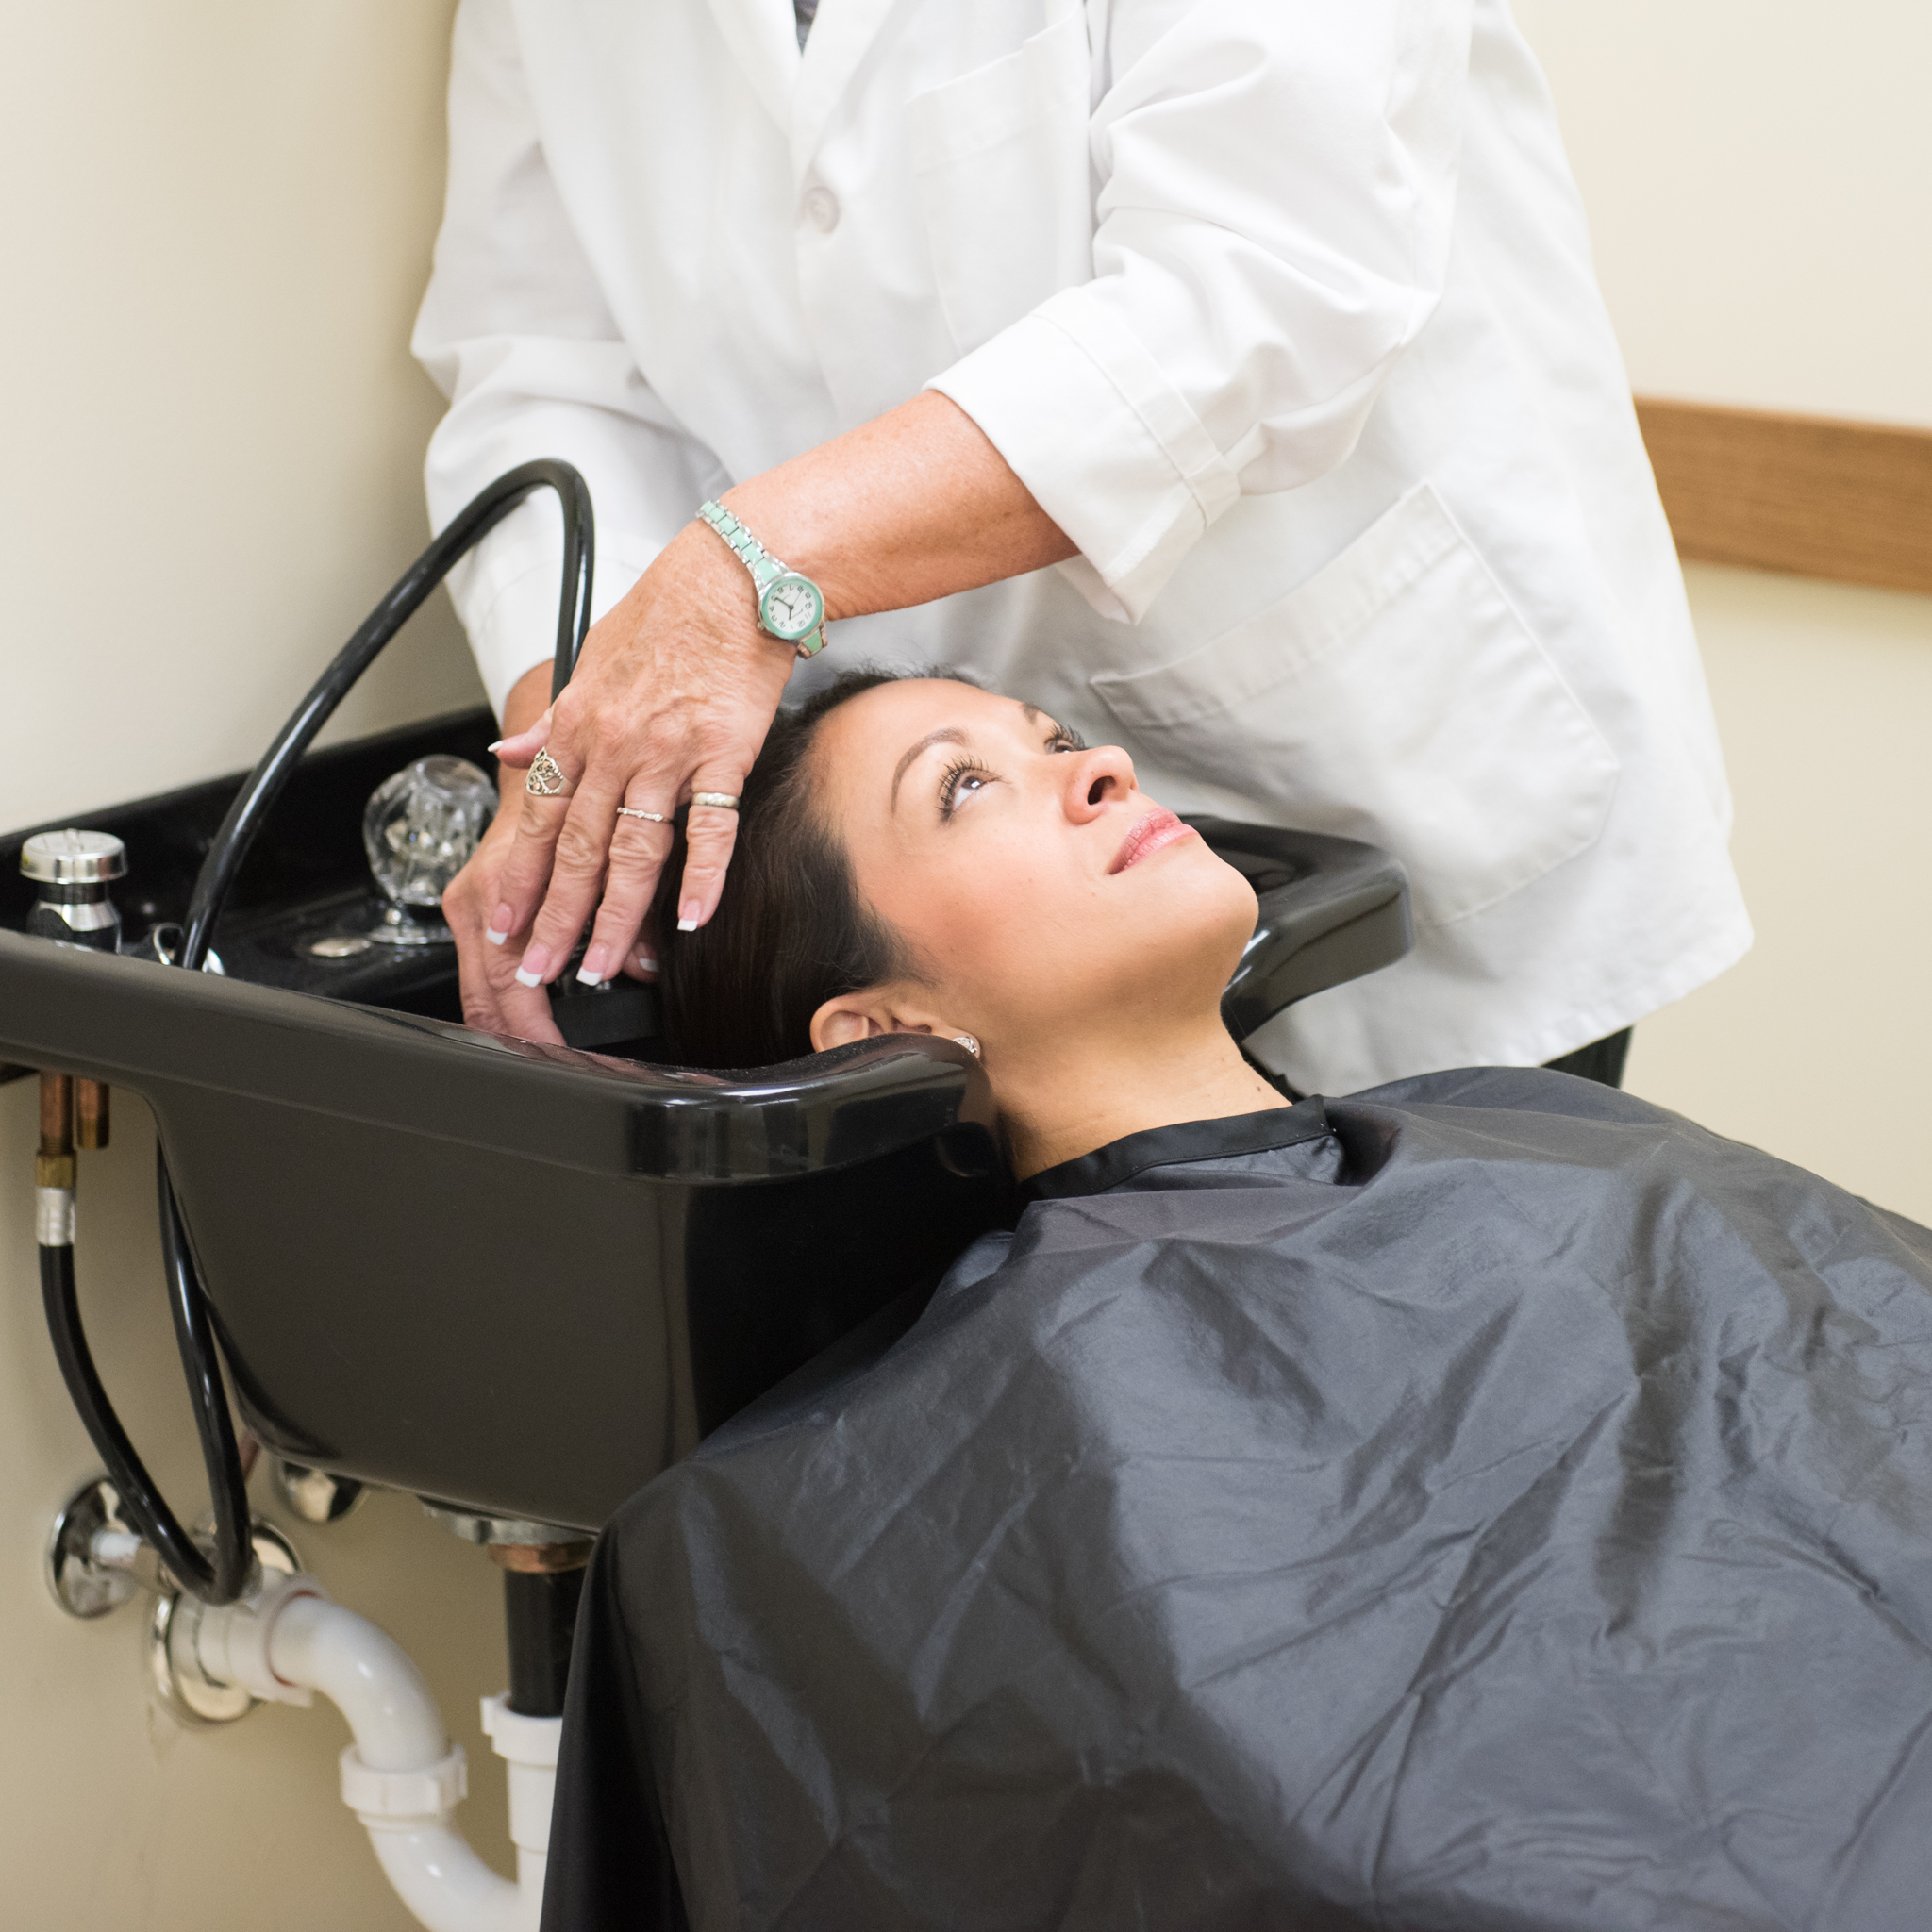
x=1807 y=494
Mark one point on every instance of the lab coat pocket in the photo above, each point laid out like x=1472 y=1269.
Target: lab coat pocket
x=1005 y=181
x=1397 y=696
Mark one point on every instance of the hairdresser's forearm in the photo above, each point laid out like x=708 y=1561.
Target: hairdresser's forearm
x=915 y=504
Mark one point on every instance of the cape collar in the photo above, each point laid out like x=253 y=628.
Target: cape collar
x=1120 y=1160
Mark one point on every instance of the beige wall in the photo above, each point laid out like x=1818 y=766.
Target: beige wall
x=1818 y=1044
x=216 y=217
x=1757 y=174
x=217 y=223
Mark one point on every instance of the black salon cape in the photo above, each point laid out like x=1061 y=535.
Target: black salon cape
x=1510 y=1509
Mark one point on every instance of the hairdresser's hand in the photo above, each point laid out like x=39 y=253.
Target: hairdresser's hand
x=673 y=693
x=494 y=1002
x=677 y=686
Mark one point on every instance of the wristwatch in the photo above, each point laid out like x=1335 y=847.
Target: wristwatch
x=790 y=606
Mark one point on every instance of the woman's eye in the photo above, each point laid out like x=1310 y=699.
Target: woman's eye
x=959 y=784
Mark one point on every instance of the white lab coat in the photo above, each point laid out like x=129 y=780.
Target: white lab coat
x=1283 y=310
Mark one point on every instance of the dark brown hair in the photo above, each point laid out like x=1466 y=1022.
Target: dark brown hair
x=791 y=931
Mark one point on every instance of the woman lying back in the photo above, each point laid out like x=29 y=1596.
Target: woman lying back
x=1485 y=1502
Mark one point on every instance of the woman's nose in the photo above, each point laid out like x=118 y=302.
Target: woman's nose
x=1099 y=777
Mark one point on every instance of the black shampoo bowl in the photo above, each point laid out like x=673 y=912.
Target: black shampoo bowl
x=521 y=1279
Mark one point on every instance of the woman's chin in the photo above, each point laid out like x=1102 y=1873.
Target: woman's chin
x=1155 y=957
x=1190 y=906
x=1197 y=881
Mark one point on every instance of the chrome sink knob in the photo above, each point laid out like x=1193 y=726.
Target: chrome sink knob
x=419 y=830
x=72 y=869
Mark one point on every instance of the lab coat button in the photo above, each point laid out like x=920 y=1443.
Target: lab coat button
x=822 y=207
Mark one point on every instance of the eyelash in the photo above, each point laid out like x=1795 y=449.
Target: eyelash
x=1062 y=740
x=949 y=783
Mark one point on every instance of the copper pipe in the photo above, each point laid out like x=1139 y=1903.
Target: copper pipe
x=56 y=1114
x=540 y=1560
x=54 y=1165
x=91 y=1115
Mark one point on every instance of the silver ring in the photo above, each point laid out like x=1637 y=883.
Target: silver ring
x=725 y=800
x=545 y=777
x=630 y=811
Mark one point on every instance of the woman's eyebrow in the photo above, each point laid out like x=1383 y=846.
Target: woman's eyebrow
x=946 y=734
x=1036 y=716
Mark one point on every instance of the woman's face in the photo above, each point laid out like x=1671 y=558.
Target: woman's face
x=1042 y=892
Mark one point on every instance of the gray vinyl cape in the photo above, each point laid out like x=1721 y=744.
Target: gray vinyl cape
x=1487 y=1502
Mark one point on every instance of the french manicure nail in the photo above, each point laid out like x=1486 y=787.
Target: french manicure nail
x=648 y=962
x=686 y=925
x=504 y=924
x=531 y=972
x=497 y=747
x=688 y=916
x=596 y=968
x=495 y=938
x=526 y=977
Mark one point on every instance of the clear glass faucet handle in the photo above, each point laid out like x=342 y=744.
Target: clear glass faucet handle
x=420 y=826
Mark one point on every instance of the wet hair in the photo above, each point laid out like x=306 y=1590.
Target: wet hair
x=791 y=931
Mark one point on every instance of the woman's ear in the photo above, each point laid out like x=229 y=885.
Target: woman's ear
x=839 y=1022
x=866 y=1015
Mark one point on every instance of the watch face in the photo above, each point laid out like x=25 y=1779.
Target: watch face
x=791 y=607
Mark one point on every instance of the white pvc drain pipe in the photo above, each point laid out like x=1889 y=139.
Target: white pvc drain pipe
x=402 y=1776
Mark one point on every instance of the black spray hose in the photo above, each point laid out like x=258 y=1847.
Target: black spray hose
x=229 y=1572
x=256 y=797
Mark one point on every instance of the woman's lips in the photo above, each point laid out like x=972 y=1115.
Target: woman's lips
x=1160 y=828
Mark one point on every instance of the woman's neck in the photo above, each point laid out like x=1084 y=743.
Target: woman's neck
x=1085 y=1094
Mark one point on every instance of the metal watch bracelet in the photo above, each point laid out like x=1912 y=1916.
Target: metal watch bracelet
x=790 y=606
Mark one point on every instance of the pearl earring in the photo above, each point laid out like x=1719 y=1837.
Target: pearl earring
x=967 y=1040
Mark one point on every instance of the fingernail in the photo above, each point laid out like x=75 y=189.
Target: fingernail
x=647 y=962
x=502 y=924
x=496 y=746
x=495 y=938
x=686 y=925
x=688 y=916
x=531 y=972
x=596 y=968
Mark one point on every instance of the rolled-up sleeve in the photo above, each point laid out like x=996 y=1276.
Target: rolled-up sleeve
x=516 y=334
x=1275 y=191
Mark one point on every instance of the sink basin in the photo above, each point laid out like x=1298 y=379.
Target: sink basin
x=522 y=1279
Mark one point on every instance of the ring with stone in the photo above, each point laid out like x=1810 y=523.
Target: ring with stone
x=545 y=777
x=725 y=800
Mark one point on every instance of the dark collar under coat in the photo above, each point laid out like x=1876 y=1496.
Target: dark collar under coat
x=1120 y=1160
